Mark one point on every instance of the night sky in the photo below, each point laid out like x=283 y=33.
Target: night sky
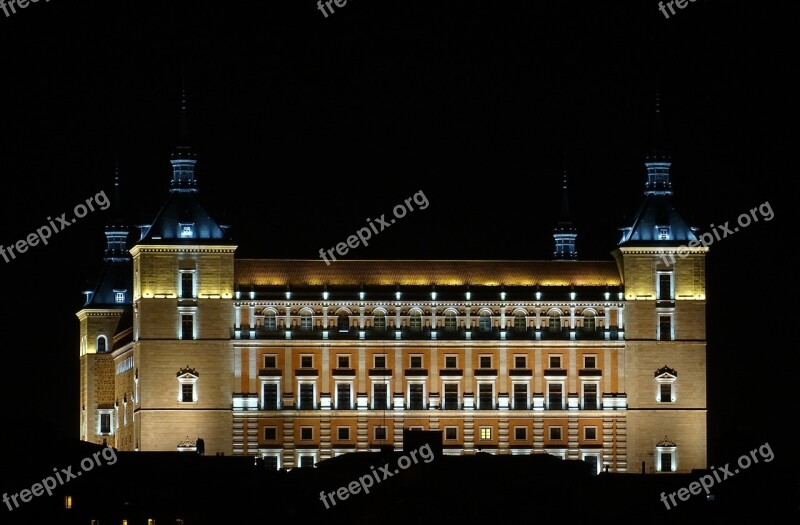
x=306 y=126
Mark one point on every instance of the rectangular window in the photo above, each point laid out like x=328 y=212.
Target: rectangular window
x=555 y=361
x=187 y=285
x=380 y=396
x=343 y=396
x=451 y=396
x=520 y=433
x=380 y=361
x=590 y=433
x=306 y=361
x=665 y=327
x=554 y=394
x=380 y=433
x=590 y=397
x=450 y=433
x=120 y=297
x=520 y=361
x=270 y=433
x=486 y=433
x=187 y=392
x=666 y=462
x=666 y=393
x=305 y=322
x=270 y=396
x=450 y=361
x=306 y=433
x=306 y=396
x=664 y=286
x=343 y=433
x=270 y=325
x=485 y=396
x=415 y=394
x=589 y=361
x=520 y=396
x=270 y=361
x=306 y=461
x=343 y=361
x=379 y=322
x=105 y=423
x=485 y=361
x=416 y=361
x=555 y=433
x=271 y=462
x=187 y=326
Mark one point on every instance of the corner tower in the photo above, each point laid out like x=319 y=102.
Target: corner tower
x=666 y=327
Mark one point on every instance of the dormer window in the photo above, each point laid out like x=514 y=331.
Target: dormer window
x=663 y=233
x=119 y=296
x=187 y=230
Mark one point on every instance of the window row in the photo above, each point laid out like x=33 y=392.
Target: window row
x=451 y=361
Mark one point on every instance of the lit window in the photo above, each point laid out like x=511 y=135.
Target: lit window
x=67 y=502
x=187 y=230
x=119 y=297
x=663 y=233
x=486 y=433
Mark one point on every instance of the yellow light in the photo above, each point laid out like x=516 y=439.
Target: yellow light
x=67 y=502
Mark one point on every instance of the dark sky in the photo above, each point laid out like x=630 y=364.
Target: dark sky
x=307 y=126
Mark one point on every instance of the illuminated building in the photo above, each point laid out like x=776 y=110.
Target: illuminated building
x=296 y=361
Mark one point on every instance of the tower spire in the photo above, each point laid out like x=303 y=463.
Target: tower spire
x=658 y=160
x=116 y=231
x=565 y=233
x=183 y=159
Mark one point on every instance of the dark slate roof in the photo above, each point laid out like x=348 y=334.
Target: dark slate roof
x=656 y=211
x=115 y=275
x=182 y=208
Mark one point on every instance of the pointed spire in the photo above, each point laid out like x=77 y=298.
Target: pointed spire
x=658 y=160
x=117 y=231
x=565 y=233
x=183 y=158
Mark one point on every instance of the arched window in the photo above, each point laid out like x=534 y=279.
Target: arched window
x=588 y=321
x=555 y=321
x=379 y=320
x=306 y=319
x=519 y=321
x=415 y=320
x=450 y=322
x=102 y=344
x=485 y=321
x=270 y=323
x=343 y=321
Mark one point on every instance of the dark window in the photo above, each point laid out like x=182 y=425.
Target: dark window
x=520 y=396
x=664 y=287
x=666 y=393
x=415 y=396
x=520 y=362
x=666 y=462
x=101 y=345
x=592 y=461
x=555 y=433
x=187 y=327
x=306 y=361
x=590 y=433
x=379 y=322
x=306 y=461
x=554 y=391
x=270 y=324
x=380 y=396
x=305 y=322
x=589 y=361
x=105 y=423
x=555 y=323
x=451 y=433
x=485 y=322
x=306 y=433
x=416 y=361
x=187 y=392
x=555 y=361
x=451 y=396
x=415 y=321
x=380 y=433
x=519 y=322
x=187 y=280
x=588 y=322
x=520 y=433
x=343 y=361
x=343 y=433
x=306 y=396
x=590 y=397
x=485 y=396
x=270 y=361
x=450 y=322
x=485 y=361
x=343 y=396
x=271 y=462
x=450 y=361
x=270 y=396
x=270 y=433
x=665 y=328
x=343 y=323
x=380 y=361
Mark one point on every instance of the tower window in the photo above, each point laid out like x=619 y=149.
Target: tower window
x=663 y=233
x=187 y=285
x=187 y=326
x=187 y=230
x=119 y=297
